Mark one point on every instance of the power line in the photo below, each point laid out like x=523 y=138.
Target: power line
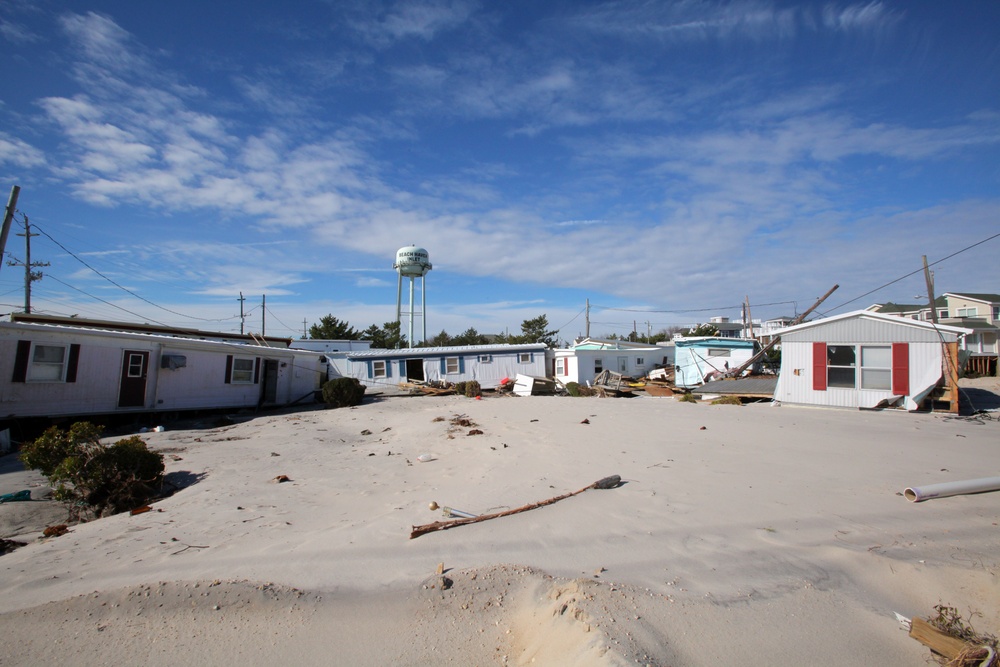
x=911 y=273
x=121 y=287
x=126 y=310
x=693 y=310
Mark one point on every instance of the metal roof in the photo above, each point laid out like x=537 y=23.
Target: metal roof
x=444 y=351
x=868 y=314
x=752 y=386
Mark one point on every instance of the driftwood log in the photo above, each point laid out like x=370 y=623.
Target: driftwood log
x=611 y=482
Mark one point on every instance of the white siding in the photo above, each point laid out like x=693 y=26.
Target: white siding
x=200 y=384
x=795 y=384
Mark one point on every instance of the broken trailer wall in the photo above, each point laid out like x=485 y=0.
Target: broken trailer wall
x=860 y=359
x=699 y=358
x=582 y=364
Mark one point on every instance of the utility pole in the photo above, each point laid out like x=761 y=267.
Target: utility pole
x=242 y=316
x=587 y=330
x=263 y=311
x=929 y=278
x=29 y=275
x=8 y=216
x=304 y=334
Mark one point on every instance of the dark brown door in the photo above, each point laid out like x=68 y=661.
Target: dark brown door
x=132 y=392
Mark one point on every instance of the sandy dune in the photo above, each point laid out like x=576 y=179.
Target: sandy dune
x=741 y=535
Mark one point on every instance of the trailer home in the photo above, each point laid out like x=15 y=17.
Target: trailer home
x=865 y=359
x=54 y=370
x=486 y=364
x=699 y=359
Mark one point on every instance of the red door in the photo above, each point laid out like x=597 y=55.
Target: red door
x=132 y=391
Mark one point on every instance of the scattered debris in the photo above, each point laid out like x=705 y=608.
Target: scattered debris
x=275 y=454
x=475 y=431
x=56 y=531
x=585 y=421
x=6 y=546
x=140 y=510
x=424 y=458
x=17 y=496
x=611 y=482
x=528 y=385
x=366 y=432
x=950 y=635
x=284 y=478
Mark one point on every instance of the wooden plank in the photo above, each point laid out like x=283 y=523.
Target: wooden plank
x=934 y=639
x=951 y=349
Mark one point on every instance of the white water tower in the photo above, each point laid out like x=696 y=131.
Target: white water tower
x=412 y=262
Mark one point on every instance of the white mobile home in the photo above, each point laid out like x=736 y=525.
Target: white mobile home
x=587 y=358
x=864 y=359
x=53 y=370
x=699 y=359
x=486 y=364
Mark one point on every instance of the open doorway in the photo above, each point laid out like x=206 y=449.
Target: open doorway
x=415 y=370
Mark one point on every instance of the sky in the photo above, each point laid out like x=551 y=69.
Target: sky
x=667 y=161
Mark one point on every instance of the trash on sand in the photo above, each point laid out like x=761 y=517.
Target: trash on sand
x=424 y=458
x=612 y=482
x=281 y=478
x=17 y=496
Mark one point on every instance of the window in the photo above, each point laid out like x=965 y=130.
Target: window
x=485 y=358
x=719 y=352
x=378 y=369
x=242 y=370
x=876 y=367
x=840 y=366
x=136 y=365
x=47 y=363
x=996 y=312
x=942 y=314
x=598 y=365
x=451 y=365
x=561 y=366
x=967 y=312
x=524 y=358
x=639 y=361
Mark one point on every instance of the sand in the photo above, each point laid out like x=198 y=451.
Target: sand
x=753 y=535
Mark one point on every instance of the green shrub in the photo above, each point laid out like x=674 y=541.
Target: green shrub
x=573 y=388
x=687 y=398
x=343 y=392
x=472 y=389
x=95 y=478
x=460 y=388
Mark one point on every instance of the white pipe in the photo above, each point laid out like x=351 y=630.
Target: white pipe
x=946 y=489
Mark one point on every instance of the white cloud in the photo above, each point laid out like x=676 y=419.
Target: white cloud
x=19 y=153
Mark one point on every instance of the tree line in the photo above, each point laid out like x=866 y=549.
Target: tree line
x=390 y=336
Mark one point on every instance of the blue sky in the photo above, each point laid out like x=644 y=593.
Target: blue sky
x=666 y=160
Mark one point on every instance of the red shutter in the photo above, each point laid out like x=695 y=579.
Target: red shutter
x=565 y=365
x=901 y=369
x=229 y=368
x=819 y=366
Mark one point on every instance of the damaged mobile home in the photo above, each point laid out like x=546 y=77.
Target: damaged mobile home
x=54 y=369
x=865 y=360
x=486 y=364
x=700 y=359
